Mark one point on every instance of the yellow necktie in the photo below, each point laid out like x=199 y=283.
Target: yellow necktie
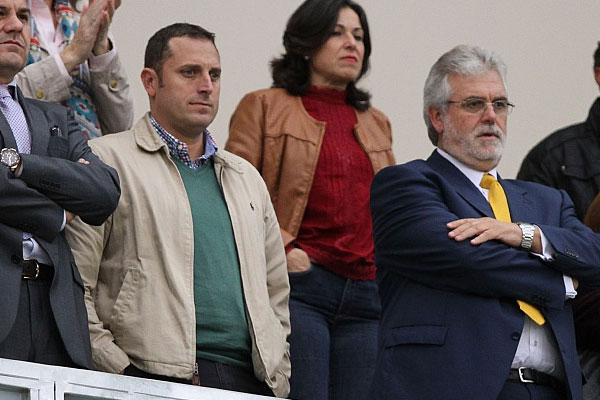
x=499 y=205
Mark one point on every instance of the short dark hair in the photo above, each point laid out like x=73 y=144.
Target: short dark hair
x=157 y=49
x=307 y=30
x=597 y=57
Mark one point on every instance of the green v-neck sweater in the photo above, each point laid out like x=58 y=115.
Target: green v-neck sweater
x=221 y=326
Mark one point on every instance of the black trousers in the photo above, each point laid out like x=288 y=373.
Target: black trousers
x=215 y=375
x=528 y=391
x=34 y=336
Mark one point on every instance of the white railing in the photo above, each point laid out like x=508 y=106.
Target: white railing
x=29 y=381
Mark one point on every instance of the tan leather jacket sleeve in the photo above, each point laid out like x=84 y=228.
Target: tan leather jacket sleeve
x=246 y=130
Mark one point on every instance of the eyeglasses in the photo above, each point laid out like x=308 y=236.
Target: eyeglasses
x=475 y=105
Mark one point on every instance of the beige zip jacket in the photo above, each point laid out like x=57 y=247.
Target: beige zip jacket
x=138 y=267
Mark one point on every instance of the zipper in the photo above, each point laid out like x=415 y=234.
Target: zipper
x=196 y=376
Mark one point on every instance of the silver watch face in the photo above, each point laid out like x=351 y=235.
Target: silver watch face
x=10 y=157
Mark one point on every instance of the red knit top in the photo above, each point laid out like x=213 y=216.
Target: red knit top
x=336 y=230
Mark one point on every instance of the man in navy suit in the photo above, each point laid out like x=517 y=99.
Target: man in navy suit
x=48 y=176
x=451 y=269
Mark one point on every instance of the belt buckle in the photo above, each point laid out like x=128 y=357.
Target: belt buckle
x=37 y=270
x=521 y=378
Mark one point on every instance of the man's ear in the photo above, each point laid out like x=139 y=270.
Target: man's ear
x=436 y=118
x=597 y=75
x=150 y=80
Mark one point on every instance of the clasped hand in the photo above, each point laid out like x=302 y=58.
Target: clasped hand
x=91 y=36
x=481 y=230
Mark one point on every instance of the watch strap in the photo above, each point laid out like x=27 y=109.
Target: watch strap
x=527 y=234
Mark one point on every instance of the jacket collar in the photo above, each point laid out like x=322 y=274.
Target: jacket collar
x=463 y=186
x=36 y=122
x=146 y=138
x=8 y=140
x=593 y=120
x=520 y=207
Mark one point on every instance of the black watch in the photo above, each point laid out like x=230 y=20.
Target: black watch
x=10 y=158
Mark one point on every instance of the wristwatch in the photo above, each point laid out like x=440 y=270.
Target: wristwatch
x=527 y=233
x=10 y=158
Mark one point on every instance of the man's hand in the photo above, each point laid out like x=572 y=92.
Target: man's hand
x=86 y=35
x=297 y=260
x=70 y=216
x=483 y=229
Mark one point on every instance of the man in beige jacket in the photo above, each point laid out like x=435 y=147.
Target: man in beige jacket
x=187 y=280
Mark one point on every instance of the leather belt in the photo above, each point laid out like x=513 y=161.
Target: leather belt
x=33 y=270
x=530 y=375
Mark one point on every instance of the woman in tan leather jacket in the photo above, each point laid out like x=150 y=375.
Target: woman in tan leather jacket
x=318 y=142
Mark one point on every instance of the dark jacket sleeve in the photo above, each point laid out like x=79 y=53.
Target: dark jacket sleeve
x=410 y=214
x=55 y=182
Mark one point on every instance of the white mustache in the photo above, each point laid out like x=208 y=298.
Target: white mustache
x=487 y=129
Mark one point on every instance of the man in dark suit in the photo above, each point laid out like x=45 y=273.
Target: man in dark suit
x=475 y=304
x=48 y=176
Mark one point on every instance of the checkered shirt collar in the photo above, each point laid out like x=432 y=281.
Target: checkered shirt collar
x=179 y=149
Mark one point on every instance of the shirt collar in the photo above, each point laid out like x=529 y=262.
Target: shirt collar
x=472 y=174
x=179 y=149
x=13 y=92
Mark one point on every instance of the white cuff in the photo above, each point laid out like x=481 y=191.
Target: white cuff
x=103 y=61
x=570 y=291
x=548 y=252
x=62 y=227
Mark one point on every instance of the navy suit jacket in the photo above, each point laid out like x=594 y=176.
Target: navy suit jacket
x=52 y=181
x=450 y=324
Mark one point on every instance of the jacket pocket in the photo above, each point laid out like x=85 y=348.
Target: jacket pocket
x=58 y=147
x=580 y=171
x=420 y=334
x=121 y=312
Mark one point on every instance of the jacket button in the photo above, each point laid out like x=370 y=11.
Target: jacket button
x=114 y=84
x=39 y=94
x=516 y=336
x=15 y=259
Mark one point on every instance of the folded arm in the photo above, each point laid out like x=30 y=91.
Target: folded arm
x=90 y=190
x=410 y=218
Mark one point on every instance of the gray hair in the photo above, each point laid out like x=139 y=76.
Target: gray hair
x=461 y=60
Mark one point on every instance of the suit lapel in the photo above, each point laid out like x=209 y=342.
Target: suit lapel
x=38 y=125
x=8 y=139
x=520 y=208
x=39 y=131
x=463 y=186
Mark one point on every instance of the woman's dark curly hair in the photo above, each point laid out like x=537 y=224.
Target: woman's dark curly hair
x=307 y=30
